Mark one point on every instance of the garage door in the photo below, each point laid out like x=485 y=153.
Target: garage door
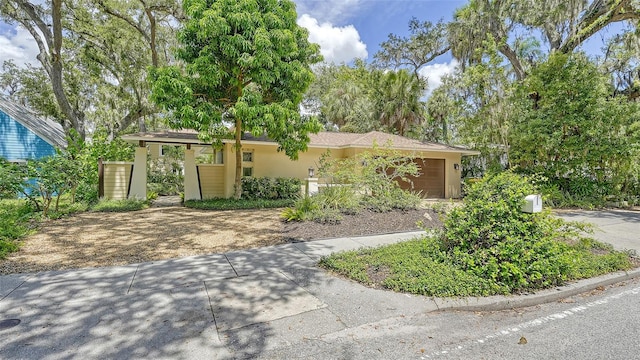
x=431 y=178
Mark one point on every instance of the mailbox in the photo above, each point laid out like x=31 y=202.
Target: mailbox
x=533 y=204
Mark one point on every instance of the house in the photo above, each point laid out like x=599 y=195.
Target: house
x=25 y=136
x=440 y=165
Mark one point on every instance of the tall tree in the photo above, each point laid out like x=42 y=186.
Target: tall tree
x=426 y=42
x=564 y=25
x=95 y=56
x=622 y=61
x=476 y=102
x=45 y=26
x=246 y=62
x=342 y=96
x=399 y=106
x=573 y=127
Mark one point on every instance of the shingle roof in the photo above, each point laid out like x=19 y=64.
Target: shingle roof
x=49 y=131
x=340 y=139
x=321 y=139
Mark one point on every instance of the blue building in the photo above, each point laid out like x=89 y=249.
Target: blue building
x=24 y=136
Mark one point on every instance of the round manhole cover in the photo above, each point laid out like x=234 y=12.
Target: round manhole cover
x=8 y=323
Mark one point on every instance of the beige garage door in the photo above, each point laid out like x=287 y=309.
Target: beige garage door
x=431 y=178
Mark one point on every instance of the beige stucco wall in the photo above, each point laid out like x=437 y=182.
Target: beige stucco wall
x=452 y=180
x=268 y=162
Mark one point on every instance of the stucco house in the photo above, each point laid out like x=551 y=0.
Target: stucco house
x=25 y=136
x=440 y=164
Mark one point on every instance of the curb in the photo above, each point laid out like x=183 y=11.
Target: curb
x=498 y=303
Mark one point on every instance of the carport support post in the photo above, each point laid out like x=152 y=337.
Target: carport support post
x=139 y=177
x=191 y=181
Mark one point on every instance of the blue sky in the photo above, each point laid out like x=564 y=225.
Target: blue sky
x=373 y=20
x=349 y=29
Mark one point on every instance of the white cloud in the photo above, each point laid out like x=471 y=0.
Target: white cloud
x=434 y=73
x=18 y=46
x=337 y=44
x=333 y=11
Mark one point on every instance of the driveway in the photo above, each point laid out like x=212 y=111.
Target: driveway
x=620 y=228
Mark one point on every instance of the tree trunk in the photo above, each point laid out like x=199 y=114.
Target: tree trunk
x=238 y=146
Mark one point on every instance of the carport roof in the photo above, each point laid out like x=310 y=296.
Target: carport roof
x=325 y=139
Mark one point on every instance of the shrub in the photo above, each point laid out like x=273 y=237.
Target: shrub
x=15 y=219
x=11 y=180
x=490 y=236
x=270 y=188
x=233 y=204
x=300 y=211
x=120 y=205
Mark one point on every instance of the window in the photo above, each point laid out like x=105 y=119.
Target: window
x=247 y=156
x=217 y=157
x=247 y=163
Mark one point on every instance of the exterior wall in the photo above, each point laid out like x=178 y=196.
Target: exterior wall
x=19 y=143
x=117 y=177
x=268 y=162
x=212 y=180
x=452 y=179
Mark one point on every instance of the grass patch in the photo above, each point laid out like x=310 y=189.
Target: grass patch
x=120 y=205
x=422 y=267
x=232 y=204
x=16 y=219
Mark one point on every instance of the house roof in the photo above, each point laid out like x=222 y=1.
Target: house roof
x=340 y=140
x=49 y=131
x=334 y=140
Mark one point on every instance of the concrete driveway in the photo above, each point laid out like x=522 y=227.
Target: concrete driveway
x=620 y=228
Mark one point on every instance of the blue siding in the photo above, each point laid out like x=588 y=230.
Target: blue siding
x=19 y=143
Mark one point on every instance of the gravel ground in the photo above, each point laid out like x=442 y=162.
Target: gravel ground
x=106 y=239
x=366 y=223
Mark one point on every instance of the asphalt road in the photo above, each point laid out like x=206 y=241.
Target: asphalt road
x=603 y=324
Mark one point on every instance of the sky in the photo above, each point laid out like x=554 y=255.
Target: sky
x=350 y=29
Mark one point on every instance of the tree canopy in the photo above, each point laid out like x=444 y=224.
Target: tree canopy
x=94 y=56
x=246 y=63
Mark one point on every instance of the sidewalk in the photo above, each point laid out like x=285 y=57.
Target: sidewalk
x=241 y=304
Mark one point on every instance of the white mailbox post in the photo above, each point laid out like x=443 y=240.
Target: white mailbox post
x=533 y=204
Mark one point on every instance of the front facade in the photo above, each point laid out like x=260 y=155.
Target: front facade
x=440 y=165
x=24 y=136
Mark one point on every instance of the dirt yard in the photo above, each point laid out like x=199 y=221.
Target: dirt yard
x=95 y=239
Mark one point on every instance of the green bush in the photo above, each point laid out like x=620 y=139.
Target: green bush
x=492 y=237
x=232 y=204
x=374 y=174
x=120 y=205
x=270 y=188
x=11 y=180
x=15 y=222
x=301 y=210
